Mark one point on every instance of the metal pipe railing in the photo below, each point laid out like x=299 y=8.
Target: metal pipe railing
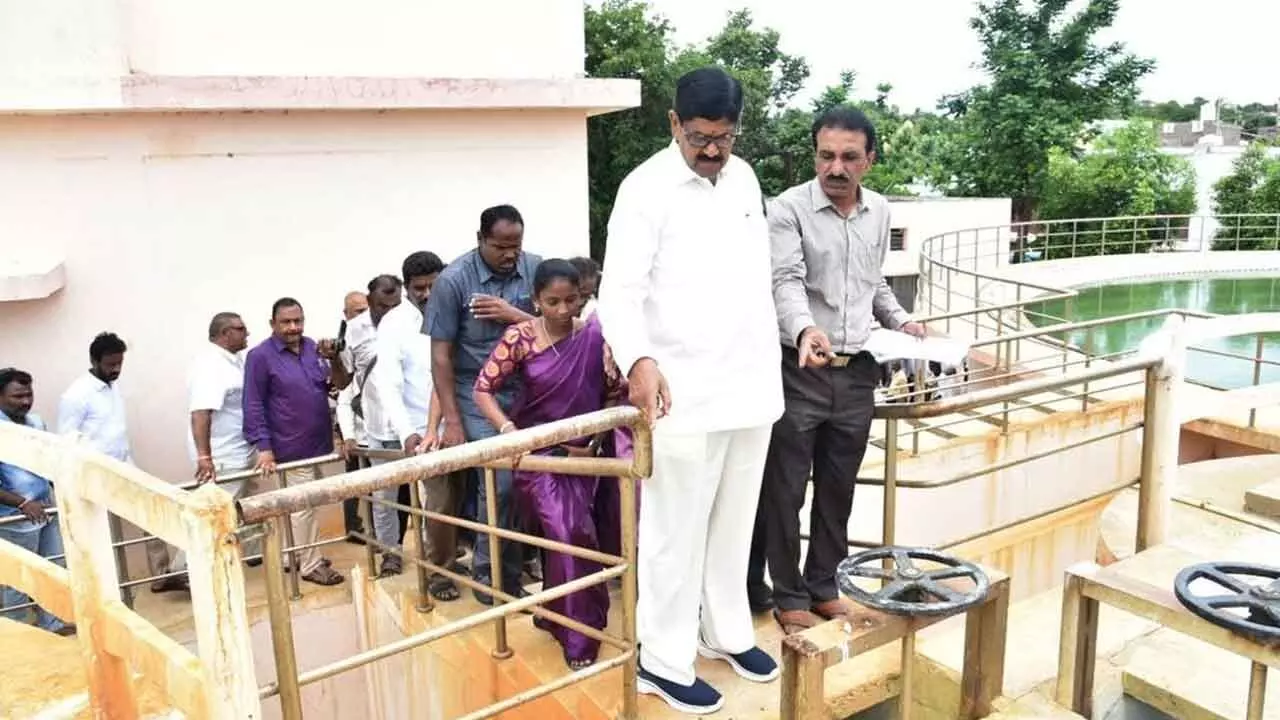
x=274 y=507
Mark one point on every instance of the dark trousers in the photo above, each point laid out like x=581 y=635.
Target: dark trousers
x=825 y=426
x=351 y=507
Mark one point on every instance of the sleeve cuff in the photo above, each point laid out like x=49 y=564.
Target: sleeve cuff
x=796 y=325
x=899 y=318
x=263 y=445
x=628 y=358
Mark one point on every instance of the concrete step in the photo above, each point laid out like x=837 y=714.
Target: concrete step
x=463 y=676
x=1031 y=661
x=1191 y=680
x=1264 y=499
x=1033 y=707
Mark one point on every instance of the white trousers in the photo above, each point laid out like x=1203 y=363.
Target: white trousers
x=697 y=514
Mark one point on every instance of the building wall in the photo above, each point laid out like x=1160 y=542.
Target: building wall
x=392 y=38
x=925 y=217
x=65 y=53
x=164 y=220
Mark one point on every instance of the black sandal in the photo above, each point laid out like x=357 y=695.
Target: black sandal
x=443 y=589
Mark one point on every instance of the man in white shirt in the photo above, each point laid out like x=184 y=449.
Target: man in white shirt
x=215 y=391
x=350 y=424
x=384 y=298
x=710 y=372
x=92 y=407
x=405 y=383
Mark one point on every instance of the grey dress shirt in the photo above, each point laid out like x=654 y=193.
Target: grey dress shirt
x=827 y=268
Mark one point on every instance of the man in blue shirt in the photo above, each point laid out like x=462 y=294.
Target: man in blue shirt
x=473 y=301
x=25 y=501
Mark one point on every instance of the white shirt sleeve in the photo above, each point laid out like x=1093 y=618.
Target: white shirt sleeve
x=346 y=413
x=388 y=375
x=204 y=391
x=632 y=245
x=71 y=410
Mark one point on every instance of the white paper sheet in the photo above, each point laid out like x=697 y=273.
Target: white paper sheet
x=893 y=345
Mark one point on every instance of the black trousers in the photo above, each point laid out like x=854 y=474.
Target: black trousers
x=825 y=427
x=351 y=521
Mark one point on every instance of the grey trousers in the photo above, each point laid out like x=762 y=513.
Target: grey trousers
x=825 y=426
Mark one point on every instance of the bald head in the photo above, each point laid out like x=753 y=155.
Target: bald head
x=354 y=303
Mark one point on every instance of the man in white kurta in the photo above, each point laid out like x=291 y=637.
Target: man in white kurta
x=687 y=308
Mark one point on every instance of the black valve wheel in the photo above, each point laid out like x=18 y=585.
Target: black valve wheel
x=908 y=589
x=1248 y=600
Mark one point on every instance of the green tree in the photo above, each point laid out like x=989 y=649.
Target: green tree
x=625 y=39
x=1170 y=110
x=1049 y=78
x=1123 y=176
x=770 y=80
x=1252 y=188
x=905 y=142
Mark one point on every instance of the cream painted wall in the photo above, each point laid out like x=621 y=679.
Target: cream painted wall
x=925 y=217
x=395 y=38
x=72 y=54
x=167 y=219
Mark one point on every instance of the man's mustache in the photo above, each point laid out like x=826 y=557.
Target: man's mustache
x=704 y=158
x=837 y=178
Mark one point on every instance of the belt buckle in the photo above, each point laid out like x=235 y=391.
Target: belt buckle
x=839 y=361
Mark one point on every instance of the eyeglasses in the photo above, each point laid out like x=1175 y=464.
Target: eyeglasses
x=699 y=140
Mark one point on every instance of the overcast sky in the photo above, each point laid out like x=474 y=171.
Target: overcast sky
x=1214 y=48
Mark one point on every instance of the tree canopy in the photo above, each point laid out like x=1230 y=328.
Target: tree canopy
x=1027 y=133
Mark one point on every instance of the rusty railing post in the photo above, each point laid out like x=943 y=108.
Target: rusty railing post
x=501 y=650
x=281 y=619
x=419 y=525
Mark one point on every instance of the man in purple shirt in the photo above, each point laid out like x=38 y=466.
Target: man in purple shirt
x=286 y=415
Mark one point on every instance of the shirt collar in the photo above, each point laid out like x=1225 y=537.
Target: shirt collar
x=821 y=201
x=222 y=353
x=280 y=347
x=97 y=383
x=486 y=273
x=681 y=173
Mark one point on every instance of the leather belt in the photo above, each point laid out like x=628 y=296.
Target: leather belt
x=839 y=361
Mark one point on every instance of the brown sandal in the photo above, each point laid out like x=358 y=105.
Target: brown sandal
x=324 y=575
x=835 y=609
x=795 y=621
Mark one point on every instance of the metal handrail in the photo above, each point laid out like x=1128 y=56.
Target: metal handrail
x=271 y=510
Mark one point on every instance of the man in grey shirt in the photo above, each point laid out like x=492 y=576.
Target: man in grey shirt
x=830 y=237
x=473 y=301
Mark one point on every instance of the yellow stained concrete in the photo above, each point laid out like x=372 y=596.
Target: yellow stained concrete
x=44 y=677
x=461 y=677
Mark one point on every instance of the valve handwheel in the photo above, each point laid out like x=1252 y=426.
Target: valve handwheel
x=909 y=589
x=1247 y=602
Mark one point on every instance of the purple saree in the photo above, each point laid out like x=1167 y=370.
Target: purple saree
x=561 y=381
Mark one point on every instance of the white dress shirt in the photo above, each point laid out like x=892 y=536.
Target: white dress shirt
x=403 y=373
x=216 y=384
x=95 y=409
x=689 y=284
x=358 y=357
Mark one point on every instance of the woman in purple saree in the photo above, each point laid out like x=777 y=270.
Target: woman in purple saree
x=561 y=362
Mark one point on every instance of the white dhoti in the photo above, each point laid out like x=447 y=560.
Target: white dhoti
x=697 y=514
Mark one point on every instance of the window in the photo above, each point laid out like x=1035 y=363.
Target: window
x=898 y=239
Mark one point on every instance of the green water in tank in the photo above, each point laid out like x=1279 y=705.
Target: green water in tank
x=1221 y=295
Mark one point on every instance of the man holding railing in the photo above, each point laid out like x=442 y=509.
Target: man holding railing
x=286 y=416
x=474 y=300
x=215 y=394
x=26 y=502
x=830 y=237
